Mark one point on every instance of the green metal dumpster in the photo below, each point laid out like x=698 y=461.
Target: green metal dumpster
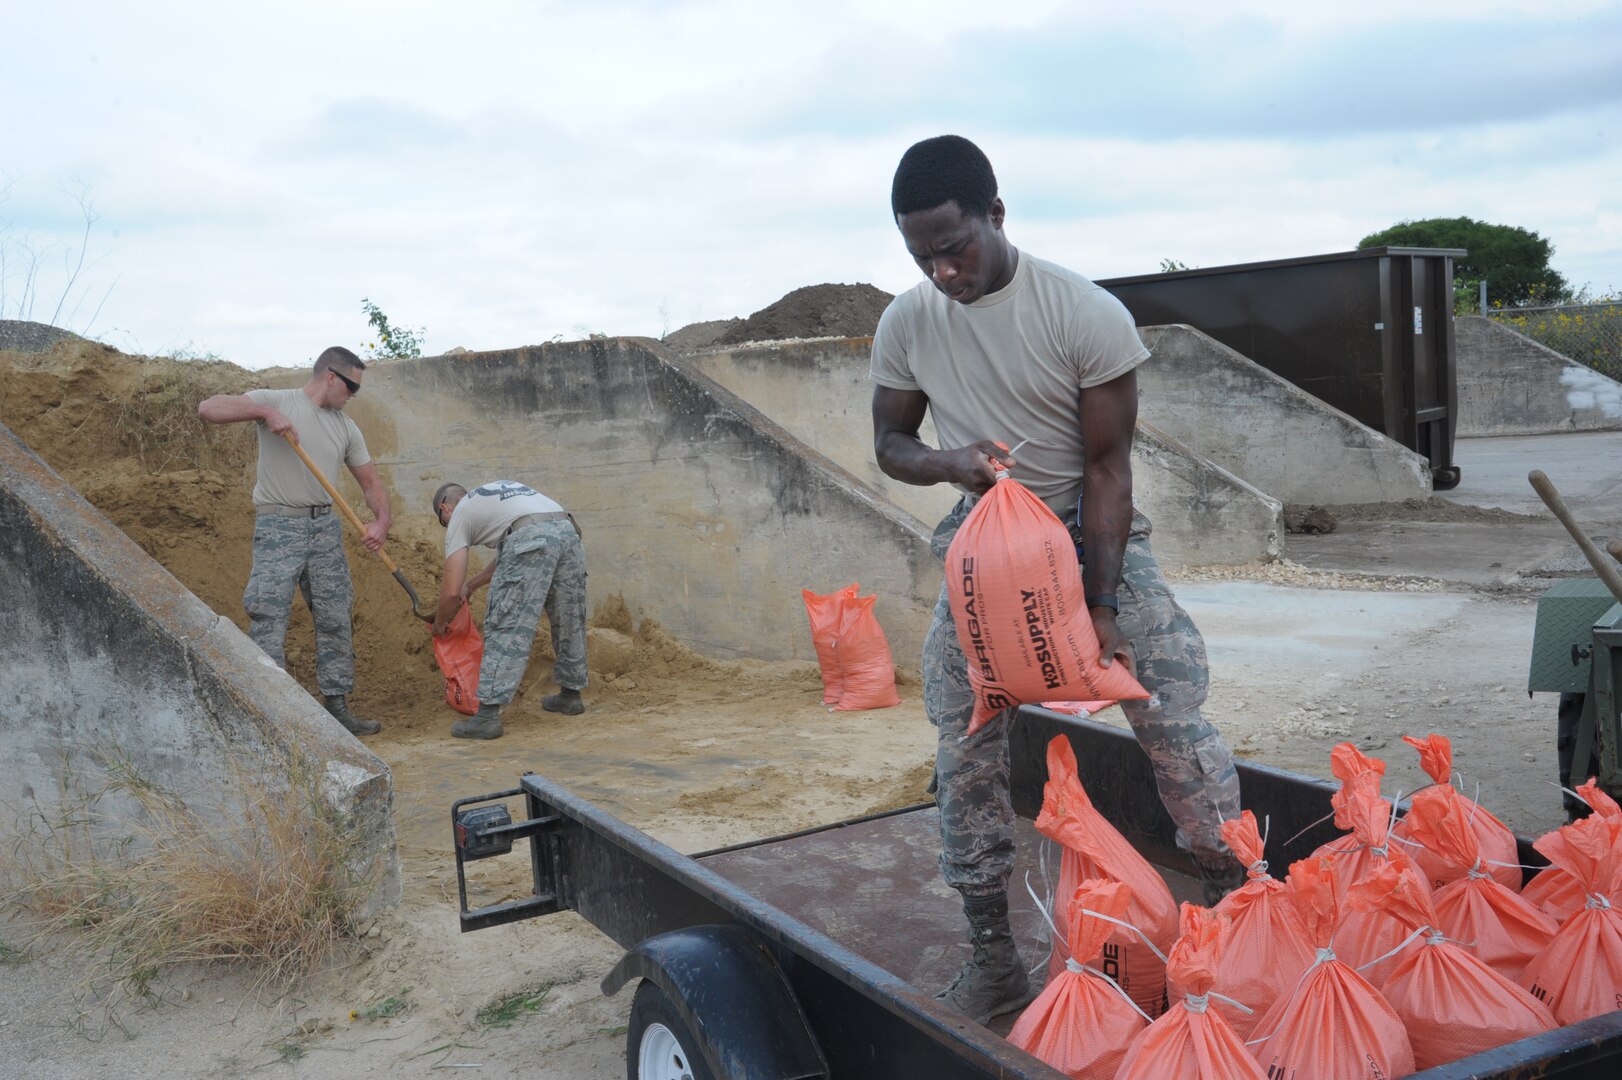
x=1369 y=332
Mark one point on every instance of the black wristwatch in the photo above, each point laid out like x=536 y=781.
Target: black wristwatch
x=1104 y=600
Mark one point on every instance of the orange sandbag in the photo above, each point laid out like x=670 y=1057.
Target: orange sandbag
x=459 y=653
x=1021 y=614
x=1497 y=843
x=1505 y=930
x=1094 y=849
x=1366 y=935
x=1333 y=1025
x=1580 y=974
x=1357 y=773
x=865 y=662
x=1553 y=890
x=1453 y=1004
x=824 y=611
x=1192 y=1041
x=1081 y=1024
x=1265 y=948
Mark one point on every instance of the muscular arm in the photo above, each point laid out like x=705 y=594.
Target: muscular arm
x=239 y=408
x=371 y=485
x=1109 y=413
x=897 y=416
x=450 y=590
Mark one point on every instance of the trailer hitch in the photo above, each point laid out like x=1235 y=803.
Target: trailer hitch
x=482 y=827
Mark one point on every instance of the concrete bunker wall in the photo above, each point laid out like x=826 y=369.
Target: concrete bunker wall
x=1509 y=384
x=1265 y=429
x=700 y=512
x=104 y=654
x=819 y=391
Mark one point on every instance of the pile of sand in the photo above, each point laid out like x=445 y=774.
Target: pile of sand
x=815 y=311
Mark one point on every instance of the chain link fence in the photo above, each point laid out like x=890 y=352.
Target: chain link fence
x=1587 y=333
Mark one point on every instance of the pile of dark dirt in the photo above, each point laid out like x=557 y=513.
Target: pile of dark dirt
x=20 y=335
x=1435 y=508
x=815 y=311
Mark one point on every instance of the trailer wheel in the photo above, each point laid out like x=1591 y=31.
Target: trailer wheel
x=1446 y=478
x=658 y=1043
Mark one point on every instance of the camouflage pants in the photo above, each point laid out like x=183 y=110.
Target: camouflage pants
x=540 y=566
x=306 y=554
x=1192 y=765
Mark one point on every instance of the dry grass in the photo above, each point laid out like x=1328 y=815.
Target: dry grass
x=139 y=883
x=156 y=418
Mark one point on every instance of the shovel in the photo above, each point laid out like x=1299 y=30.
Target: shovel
x=388 y=564
x=1551 y=498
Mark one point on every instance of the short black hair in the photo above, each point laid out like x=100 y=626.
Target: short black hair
x=340 y=358
x=446 y=491
x=947 y=168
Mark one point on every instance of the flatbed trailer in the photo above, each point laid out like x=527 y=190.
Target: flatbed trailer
x=814 y=954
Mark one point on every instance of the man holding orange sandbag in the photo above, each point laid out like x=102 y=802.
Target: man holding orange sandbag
x=998 y=345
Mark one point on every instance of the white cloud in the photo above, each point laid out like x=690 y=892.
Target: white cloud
x=509 y=172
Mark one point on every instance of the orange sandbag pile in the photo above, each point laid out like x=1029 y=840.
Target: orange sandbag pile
x=1497 y=843
x=1021 y=614
x=1580 y=974
x=459 y=652
x=1192 y=1041
x=1505 y=929
x=1094 y=849
x=858 y=671
x=824 y=611
x=1557 y=892
x=1265 y=948
x=1452 y=1003
x=1082 y=1024
x=1333 y=1025
x=1366 y=935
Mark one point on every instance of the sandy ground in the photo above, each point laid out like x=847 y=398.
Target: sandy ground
x=695 y=752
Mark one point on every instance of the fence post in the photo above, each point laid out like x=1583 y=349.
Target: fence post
x=1483 y=308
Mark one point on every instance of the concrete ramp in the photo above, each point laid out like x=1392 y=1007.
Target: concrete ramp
x=701 y=512
x=1509 y=384
x=104 y=655
x=819 y=391
x=1267 y=430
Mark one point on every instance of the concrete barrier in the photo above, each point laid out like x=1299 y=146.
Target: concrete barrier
x=1509 y=384
x=701 y=512
x=1265 y=429
x=104 y=655
x=819 y=391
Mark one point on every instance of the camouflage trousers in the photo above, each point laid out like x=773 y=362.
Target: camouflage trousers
x=1193 y=768
x=306 y=554
x=541 y=566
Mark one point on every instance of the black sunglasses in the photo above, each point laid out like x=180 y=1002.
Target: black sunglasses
x=354 y=387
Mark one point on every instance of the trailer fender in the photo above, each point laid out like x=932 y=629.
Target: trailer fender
x=732 y=995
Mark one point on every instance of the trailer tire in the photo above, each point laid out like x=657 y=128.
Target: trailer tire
x=1446 y=478
x=658 y=1043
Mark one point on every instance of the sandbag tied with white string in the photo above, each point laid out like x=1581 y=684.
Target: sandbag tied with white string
x=1452 y=1003
x=1580 y=974
x=1366 y=936
x=1193 y=1040
x=1333 y=1025
x=1497 y=843
x=1265 y=947
x=1358 y=774
x=1556 y=892
x=1093 y=848
x=1505 y=929
x=1083 y=1021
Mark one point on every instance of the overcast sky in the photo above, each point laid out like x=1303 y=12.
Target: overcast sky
x=502 y=173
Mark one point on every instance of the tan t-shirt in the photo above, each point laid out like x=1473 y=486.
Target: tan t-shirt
x=1011 y=366
x=330 y=438
x=483 y=514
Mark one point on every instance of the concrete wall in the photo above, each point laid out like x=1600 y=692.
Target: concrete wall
x=1509 y=384
x=103 y=653
x=1265 y=429
x=819 y=391
x=698 y=510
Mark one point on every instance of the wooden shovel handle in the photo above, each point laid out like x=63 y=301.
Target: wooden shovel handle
x=1607 y=572
x=338 y=499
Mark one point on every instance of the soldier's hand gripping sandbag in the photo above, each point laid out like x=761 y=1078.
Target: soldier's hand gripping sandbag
x=459 y=652
x=1021 y=614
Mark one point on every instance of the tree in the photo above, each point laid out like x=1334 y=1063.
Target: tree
x=393 y=342
x=1514 y=262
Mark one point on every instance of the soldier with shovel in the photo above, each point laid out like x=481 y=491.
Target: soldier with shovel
x=298 y=541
